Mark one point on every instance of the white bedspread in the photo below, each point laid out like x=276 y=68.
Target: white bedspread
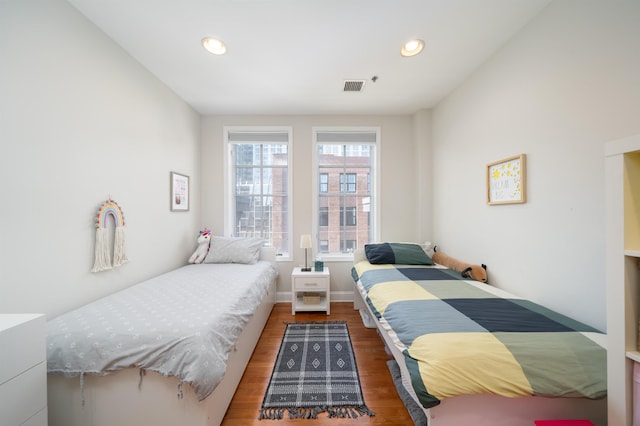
x=183 y=323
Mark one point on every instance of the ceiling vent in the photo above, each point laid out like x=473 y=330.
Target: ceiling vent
x=354 y=85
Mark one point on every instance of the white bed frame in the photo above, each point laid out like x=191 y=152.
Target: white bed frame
x=117 y=399
x=487 y=410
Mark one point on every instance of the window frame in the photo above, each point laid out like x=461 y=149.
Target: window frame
x=230 y=170
x=372 y=182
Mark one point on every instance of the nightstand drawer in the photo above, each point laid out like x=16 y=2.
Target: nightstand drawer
x=311 y=283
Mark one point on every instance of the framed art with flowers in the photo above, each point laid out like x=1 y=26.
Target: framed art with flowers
x=506 y=181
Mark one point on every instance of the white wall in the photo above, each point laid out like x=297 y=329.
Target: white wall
x=557 y=92
x=398 y=179
x=81 y=120
x=423 y=163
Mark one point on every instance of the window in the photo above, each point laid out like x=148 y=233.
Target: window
x=346 y=197
x=348 y=182
x=324 y=182
x=347 y=216
x=258 y=189
x=323 y=218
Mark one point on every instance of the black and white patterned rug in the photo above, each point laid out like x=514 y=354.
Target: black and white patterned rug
x=315 y=372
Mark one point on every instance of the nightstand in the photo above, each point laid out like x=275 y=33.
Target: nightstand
x=310 y=291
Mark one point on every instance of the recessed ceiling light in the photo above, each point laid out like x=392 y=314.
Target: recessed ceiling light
x=412 y=47
x=214 y=45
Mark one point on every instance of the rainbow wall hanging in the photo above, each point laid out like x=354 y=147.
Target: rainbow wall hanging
x=102 y=260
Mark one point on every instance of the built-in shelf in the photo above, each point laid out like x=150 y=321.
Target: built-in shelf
x=634 y=355
x=622 y=195
x=320 y=306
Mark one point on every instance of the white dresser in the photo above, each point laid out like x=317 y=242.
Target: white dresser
x=23 y=372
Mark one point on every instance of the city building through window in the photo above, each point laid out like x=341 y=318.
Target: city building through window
x=258 y=194
x=346 y=166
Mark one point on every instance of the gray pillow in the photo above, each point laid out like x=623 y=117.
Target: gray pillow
x=234 y=250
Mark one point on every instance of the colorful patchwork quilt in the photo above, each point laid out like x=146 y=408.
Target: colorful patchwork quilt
x=462 y=337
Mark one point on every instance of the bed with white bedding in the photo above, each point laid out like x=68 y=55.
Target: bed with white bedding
x=170 y=350
x=467 y=360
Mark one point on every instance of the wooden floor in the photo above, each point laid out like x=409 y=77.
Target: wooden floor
x=379 y=392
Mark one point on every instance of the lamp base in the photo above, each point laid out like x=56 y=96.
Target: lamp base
x=305 y=269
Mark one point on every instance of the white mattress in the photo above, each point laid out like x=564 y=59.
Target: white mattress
x=183 y=323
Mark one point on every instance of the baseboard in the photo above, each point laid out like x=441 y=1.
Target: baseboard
x=336 y=296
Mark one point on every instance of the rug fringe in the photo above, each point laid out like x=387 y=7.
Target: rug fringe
x=343 y=412
x=314 y=322
x=305 y=412
x=271 y=413
x=350 y=411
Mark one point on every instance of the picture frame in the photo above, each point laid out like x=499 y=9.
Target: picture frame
x=506 y=181
x=179 y=192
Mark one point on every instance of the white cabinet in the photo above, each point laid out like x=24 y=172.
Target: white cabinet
x=23 y=372
x=310 y=291
x=622 y=258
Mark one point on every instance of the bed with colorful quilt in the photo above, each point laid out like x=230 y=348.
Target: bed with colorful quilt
x=471 y=353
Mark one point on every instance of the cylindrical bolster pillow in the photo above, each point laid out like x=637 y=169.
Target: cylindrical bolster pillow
x=467 y=270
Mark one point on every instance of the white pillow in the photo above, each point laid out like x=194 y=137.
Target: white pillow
x=234 y=250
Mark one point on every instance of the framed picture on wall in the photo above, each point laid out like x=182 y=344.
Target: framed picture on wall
x=179 y=191
x=506 y=181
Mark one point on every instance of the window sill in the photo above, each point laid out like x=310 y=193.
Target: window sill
x=337 y=257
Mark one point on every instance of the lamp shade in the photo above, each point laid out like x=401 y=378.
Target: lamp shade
x=305 y=241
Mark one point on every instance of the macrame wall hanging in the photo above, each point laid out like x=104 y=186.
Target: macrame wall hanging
x=102 y=260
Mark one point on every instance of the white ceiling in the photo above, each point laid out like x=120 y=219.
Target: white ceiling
x=293 y=56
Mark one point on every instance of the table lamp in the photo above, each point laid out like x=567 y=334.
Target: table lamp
x=305 y=243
